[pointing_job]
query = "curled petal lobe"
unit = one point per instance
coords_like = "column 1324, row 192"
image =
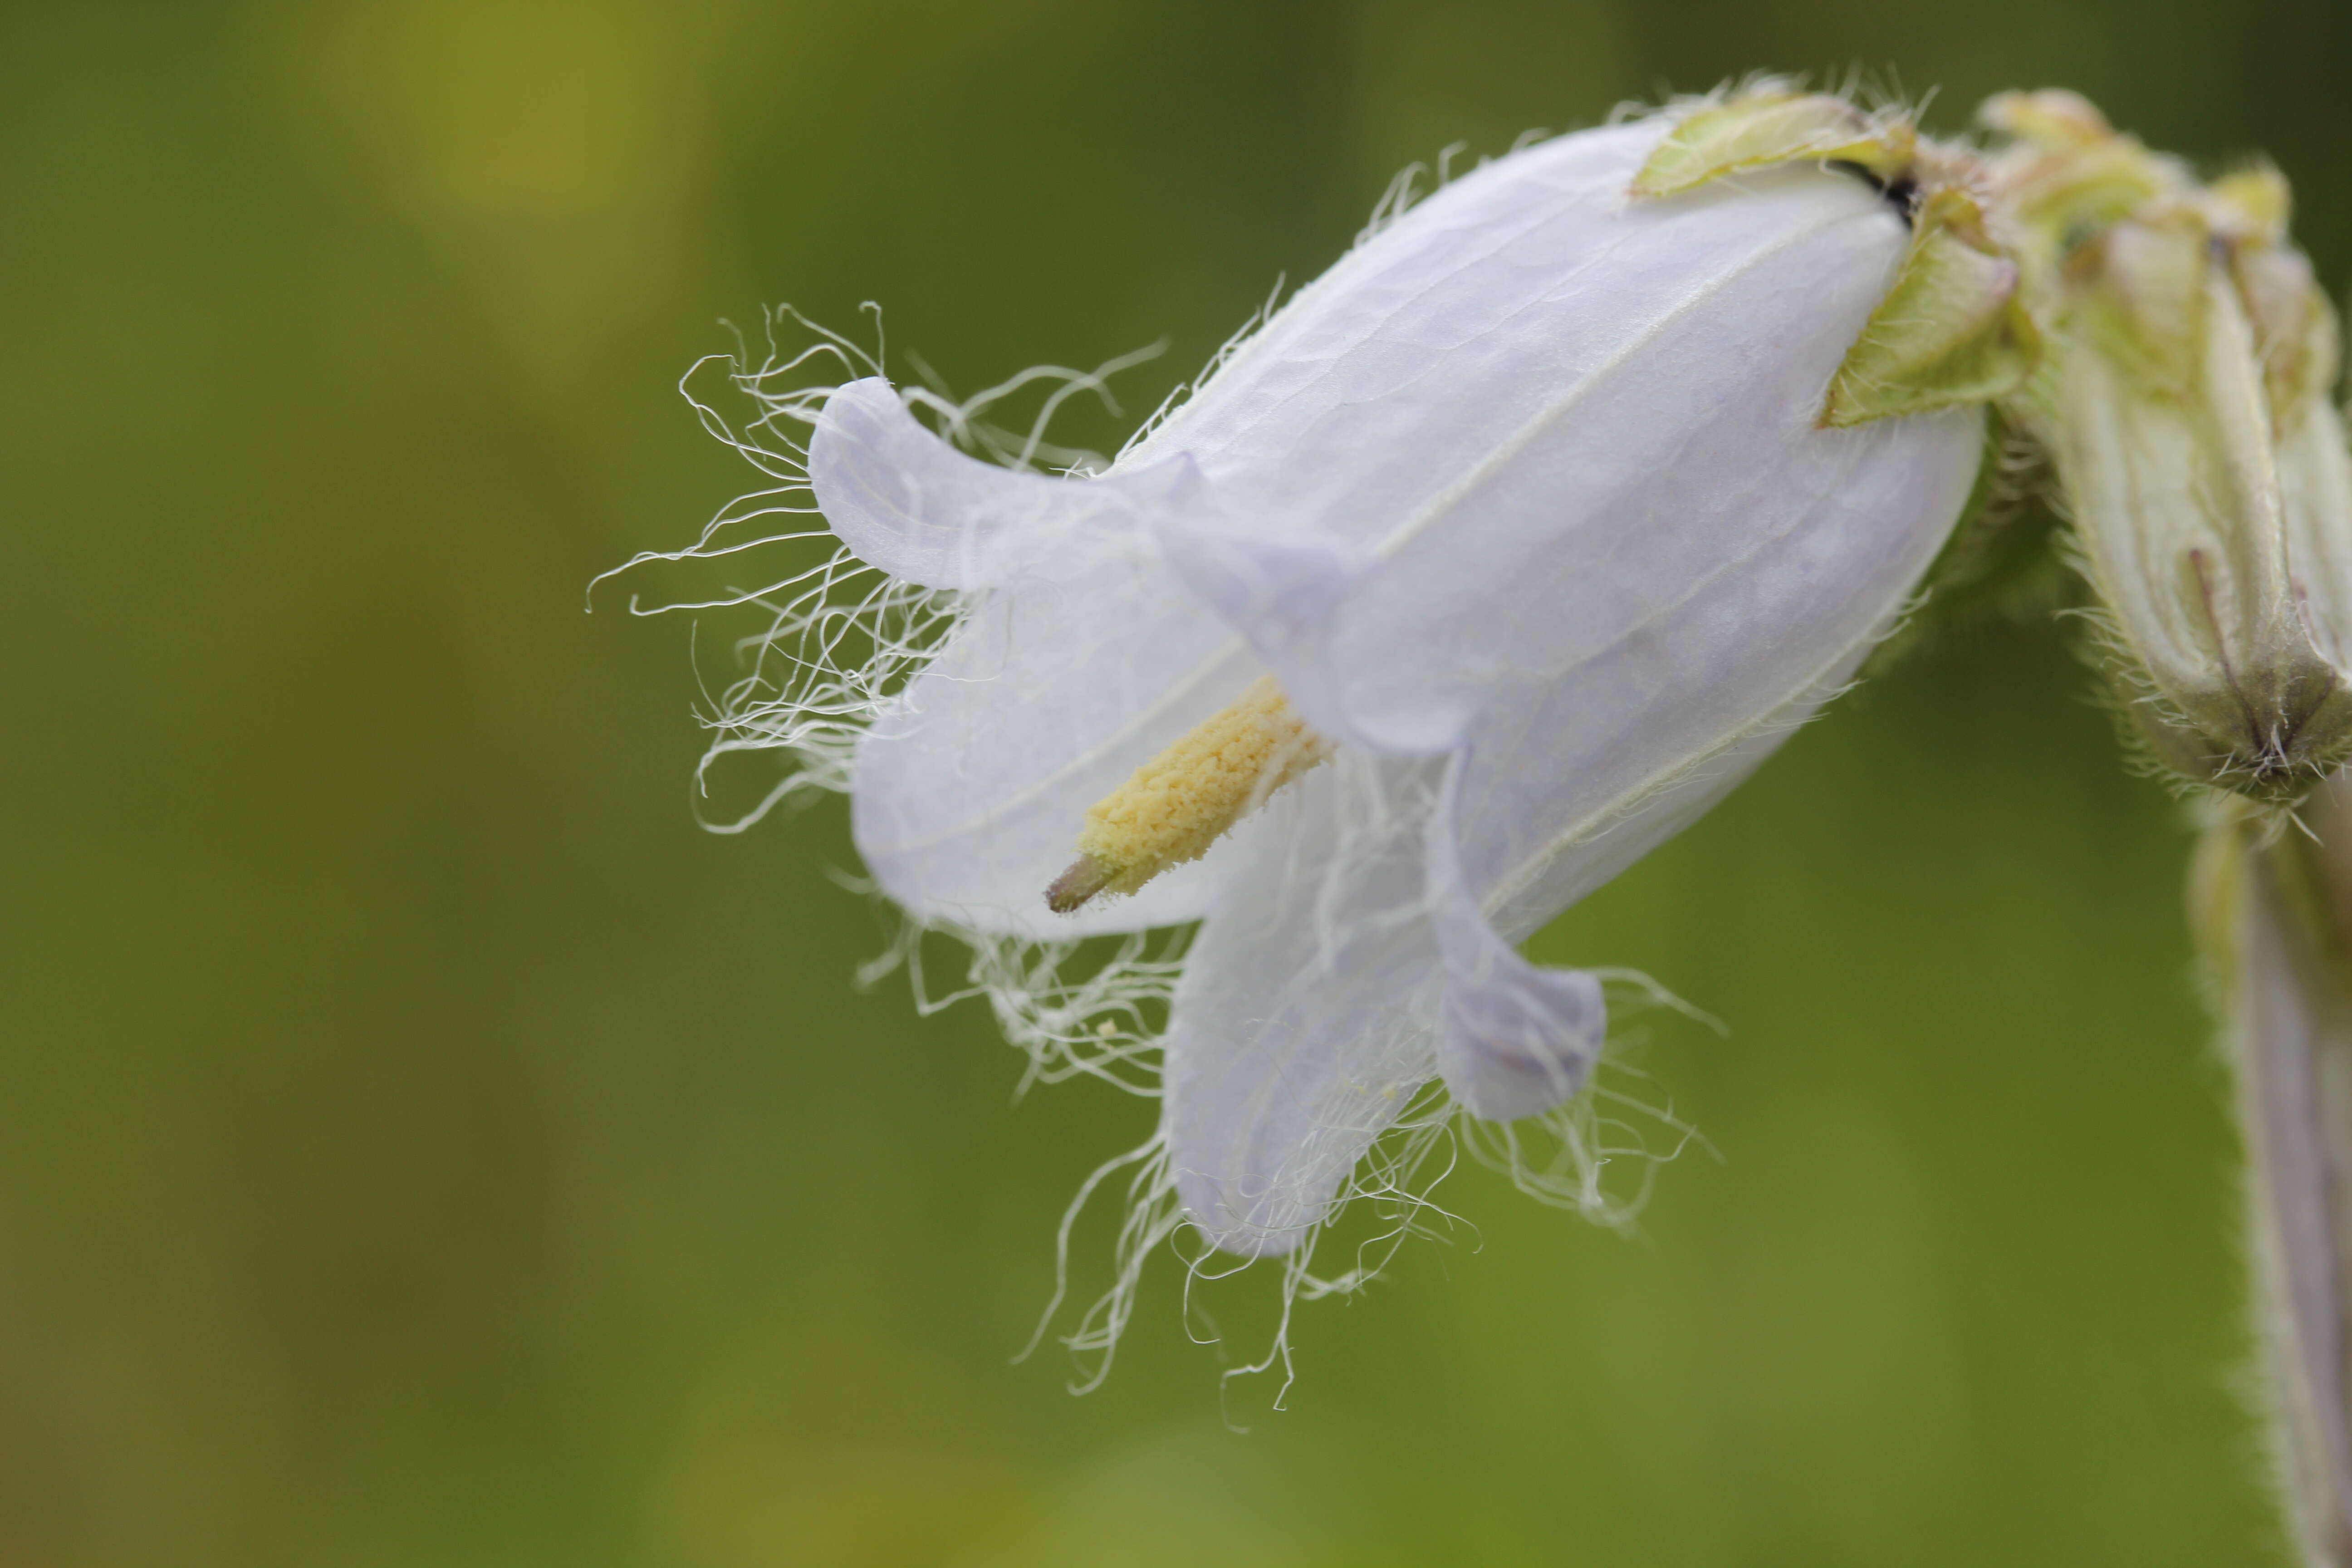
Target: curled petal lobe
column 1057, row 685
column 1514, row 1038
column 904, row 501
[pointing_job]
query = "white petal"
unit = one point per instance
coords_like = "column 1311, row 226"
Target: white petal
column 1302, row 1026
column 1431, row 354
column 1513, row 1038
column 1552, row 416
column 969, row 792
column 1082, row 660
column 905, row 501
column 1578, row 773
column 1281, row 592
column 1685, row 521
column 1618, row 564
column 1334, row 397
column 1344, row 963
column 1531, row 481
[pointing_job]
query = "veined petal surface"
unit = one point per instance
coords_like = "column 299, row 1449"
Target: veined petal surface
column 968, row 790
column 1302, row 1025
column 1633, row 565
column 1526, row 506
column 1536, row 396
column 1082, row 656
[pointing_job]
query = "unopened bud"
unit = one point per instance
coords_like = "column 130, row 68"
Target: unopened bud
column 2272, row 913
column 2184, row 408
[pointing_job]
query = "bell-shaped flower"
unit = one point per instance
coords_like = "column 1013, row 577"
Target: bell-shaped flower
column 1491, row 561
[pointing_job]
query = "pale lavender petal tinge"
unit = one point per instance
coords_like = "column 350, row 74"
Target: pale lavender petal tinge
column 1524, row 506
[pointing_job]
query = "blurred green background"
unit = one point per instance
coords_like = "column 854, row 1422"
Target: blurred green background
column 421, row 1145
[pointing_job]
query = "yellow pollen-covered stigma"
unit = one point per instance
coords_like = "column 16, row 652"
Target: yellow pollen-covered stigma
column 1181, row 800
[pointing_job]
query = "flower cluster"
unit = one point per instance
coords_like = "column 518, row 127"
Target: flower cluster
column 1493, row 559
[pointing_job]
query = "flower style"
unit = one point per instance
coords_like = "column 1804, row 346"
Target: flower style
column 1488, row 563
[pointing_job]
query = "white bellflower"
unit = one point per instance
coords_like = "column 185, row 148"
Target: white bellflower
column 1488, row 563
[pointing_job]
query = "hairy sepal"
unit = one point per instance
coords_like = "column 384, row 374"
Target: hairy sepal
column 1953, row 330
column 1760, row 130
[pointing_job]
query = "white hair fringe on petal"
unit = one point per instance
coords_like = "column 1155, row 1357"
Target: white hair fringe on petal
column 837, row 639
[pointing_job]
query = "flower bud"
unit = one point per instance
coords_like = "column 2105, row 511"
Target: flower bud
column 2273, row 912
column 2183, row 408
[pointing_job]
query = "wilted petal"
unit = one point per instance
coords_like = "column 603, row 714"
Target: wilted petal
column 2178, row 504
column 2183, row 413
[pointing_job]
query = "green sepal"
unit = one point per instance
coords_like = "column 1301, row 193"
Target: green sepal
column 2086, row 177
column 1951, row 331
column 2255, row 200
column 2295, row 325
column 2147, row 299
column 2050, row 118
column 1774, row 128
